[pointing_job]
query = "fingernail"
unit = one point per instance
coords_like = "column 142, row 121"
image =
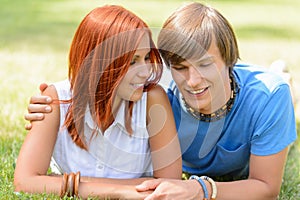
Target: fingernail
column 27, row 126
column 48, row 108
column 48, row 100
column 40, row 115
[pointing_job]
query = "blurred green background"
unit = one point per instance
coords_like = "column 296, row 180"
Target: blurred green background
column 35, row 36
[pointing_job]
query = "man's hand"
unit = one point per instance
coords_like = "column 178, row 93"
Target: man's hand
column 38, row 105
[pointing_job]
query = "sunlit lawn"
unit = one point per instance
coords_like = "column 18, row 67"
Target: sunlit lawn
column 35, row 37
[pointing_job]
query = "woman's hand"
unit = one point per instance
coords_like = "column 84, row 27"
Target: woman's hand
column 38, row 105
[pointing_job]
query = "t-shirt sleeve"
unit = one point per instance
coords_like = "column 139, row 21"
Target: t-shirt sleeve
column 275, row 128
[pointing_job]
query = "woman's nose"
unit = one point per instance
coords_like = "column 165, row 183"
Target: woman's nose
column 144, row 70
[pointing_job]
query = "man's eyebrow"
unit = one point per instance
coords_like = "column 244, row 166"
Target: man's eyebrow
column 206, row 58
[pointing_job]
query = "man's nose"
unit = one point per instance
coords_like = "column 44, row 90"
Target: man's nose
column 194, row 77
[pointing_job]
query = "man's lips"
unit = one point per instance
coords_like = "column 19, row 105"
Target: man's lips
column 198, row 91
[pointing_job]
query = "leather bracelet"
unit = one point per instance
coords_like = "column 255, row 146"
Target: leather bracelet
column 76, row 183
column 64, row 185
column 213, row 186
column 70, row 188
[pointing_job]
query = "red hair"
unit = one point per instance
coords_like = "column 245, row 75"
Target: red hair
column 100, row 55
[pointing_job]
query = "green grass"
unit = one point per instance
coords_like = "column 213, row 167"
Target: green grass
column 35, row 37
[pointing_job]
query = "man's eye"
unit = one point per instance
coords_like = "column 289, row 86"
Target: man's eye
column 206, row 64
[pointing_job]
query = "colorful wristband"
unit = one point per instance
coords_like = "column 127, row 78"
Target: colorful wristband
column 202, row 185
column 213, row 186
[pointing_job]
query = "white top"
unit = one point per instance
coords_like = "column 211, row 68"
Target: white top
column 114, row 154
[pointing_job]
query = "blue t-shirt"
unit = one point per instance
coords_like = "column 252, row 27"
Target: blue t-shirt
column 261, row 122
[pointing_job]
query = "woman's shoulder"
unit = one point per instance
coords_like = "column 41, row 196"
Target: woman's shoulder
column 156, row 93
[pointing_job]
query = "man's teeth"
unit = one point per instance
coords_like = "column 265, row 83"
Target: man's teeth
column 197, row 91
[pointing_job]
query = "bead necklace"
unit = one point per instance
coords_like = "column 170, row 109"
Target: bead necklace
column 221, row 112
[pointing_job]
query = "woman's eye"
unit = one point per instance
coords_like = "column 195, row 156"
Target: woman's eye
column 178, row 68
column 147, row 57
column 132, row 62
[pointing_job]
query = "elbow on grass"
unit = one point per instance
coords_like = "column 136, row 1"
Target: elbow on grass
column 18, row 185
column 273, row 194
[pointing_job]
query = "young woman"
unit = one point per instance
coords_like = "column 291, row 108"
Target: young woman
column 110, row 119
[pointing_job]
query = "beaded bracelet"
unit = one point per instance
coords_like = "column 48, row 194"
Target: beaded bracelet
column 213, row 186
column 64, row 184
column 202, row 185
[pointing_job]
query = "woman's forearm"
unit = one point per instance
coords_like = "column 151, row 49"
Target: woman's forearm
column 134, row 181
column 88, row 187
